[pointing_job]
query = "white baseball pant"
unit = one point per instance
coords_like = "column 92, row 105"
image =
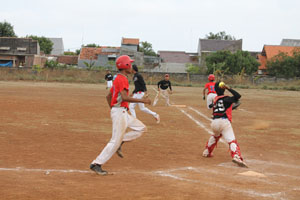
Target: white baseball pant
column 121, row 120
column 165, row 95
column 210, row 99
column 222, row 127
column 109, row 84
column 142, row 107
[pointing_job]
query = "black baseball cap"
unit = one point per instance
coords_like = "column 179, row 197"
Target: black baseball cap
column 135, row 68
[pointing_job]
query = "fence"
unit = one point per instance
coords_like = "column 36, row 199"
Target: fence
column 97, row 76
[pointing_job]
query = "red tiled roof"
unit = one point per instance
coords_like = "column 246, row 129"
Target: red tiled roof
column 269, row 51
column 263, row 61
column 272, row 51
column 91, row 53
column 133, row 41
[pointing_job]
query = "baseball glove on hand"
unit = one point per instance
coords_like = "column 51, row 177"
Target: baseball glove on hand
column 236, row 105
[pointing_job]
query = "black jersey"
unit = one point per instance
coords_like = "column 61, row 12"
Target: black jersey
column 223, row 105
column 139, row 83
column 109, row 77
column 163, row 84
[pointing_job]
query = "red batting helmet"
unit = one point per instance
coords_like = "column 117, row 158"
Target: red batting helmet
column 211, row 77
column 166, row 75
column 124, row 62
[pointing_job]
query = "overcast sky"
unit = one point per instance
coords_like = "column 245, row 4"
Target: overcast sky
column 167, row 24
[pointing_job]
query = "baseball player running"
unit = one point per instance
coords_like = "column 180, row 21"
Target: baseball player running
column 210, row 86
column 221, row 124
column 118, row 100
column 109, row 79
column 138, row 93
column 162, row 87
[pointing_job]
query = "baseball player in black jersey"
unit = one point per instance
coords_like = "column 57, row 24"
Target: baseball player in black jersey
column 162, row 87
column 109, row 79
column 221, row 124
column 139, row 91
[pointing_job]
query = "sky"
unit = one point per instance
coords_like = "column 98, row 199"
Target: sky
column 174, row 25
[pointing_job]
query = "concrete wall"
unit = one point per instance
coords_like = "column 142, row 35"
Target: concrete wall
column 170, row 68
column 130, row 47
column 19, row 46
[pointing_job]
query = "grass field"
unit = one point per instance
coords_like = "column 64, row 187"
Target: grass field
column 50, row 132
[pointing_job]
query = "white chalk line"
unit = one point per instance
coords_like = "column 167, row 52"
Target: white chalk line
column 46, row 170
column 200, row 113
column 166, row 173
column 248, row 192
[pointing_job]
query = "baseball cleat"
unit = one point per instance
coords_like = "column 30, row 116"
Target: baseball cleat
column 237, row 160
column 207, row 154
column 98, row 169
column 119, row 151
column 157, row 118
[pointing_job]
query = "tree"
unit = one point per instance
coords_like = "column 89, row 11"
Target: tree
column 283, row 65
column 92, row 45
column 70, row 53
column 219, row 36
column 225, row 62
column 45, row 44
column 192, row 69
column 146, row 48
column 6, row 30
column 77, row 51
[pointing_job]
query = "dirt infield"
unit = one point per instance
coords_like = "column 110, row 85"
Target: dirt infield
column 50, row 132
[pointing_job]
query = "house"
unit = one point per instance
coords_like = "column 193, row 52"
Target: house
column 269, row 51
column 106, row 56
column 16, row 52
column 98, row 56
column 68, row 60
column 130, row 47
column 58, row 46
column 130, row 44
column 290, row 42
column 175, row 61
column 208, row 46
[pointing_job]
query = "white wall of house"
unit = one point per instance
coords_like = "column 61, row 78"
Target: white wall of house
column 171, row 68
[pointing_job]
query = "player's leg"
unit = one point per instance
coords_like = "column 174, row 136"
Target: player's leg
column 132, row 106
column 147, row 110
column 138, row 128
column 120, row 122
column 213, row 140
column 233, row 145
column 165, row 95
column 210, row 99
column 156, row 99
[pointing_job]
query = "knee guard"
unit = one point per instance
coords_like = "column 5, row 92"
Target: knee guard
column 235, row 149
column 211, row 147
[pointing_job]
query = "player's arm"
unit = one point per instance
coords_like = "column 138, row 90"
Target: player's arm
column 129, row 99
column 108, row 99
column 236, row 96
column 158, row 85
column 204, row 92
column 141, row 79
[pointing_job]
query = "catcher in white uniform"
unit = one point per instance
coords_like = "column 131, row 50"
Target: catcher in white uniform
column 118, row 100
column 139, row 91
column 221, row 124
